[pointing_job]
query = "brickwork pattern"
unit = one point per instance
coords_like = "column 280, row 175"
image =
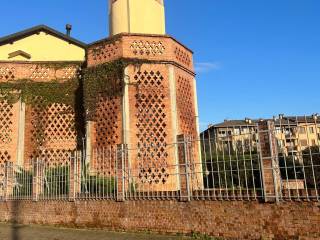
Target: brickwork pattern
column 143, row 47
column 230, row 220
column 186, row 114
column 38, row 72
column 7, row 73
column 8, row 137
column 185, row 103
column 107, row 134
column 105, row 52
column 9, row 120
column 150, row 130
column 49, row 132
column 52, row 133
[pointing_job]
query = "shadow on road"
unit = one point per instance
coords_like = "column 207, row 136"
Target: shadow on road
column 15, row 228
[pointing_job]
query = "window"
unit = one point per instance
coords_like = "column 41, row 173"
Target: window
column 302, row 130
column 311, row 130
column 222, row 133
column 237, row 131
column 304, row 143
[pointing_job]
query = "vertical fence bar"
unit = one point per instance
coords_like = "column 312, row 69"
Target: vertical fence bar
column 36, row 180
column 185, row 194
column 72, row 176
column 121, row 156
column 8, row 180
column 269, row 161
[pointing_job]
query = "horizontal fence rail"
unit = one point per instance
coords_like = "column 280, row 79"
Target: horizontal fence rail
column 261, row 161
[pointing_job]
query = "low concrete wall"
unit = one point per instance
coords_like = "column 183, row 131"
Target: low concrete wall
column 234, row 220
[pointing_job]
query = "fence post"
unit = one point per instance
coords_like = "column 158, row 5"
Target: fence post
column 270, row 169
column 74, row 175
column 184, row 175
column 8, row 186
column 37, row 179
column 120, row 165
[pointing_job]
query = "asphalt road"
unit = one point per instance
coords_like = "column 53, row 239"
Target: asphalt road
column 21, row 232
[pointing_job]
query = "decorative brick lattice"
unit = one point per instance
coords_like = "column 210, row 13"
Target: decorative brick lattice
column 70, row 72
column 185, row 105
column 7, row 73
column 107, row 121
column 4, row 158
column 152, row 127
column 6, row 123
column 40, row 73
column 108, row 133
column 182, row 56
column 106, row 51
column 55, row 157
column 60, row 125
column 147, row 48
column 53, row 132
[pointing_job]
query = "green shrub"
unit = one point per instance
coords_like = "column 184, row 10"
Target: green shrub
column 56, row 181
column 23, row 183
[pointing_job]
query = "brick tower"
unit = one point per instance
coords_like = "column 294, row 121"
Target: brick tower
column 158, row 100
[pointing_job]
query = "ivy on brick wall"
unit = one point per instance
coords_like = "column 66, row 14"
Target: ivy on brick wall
column 50, row 92
column 100, row 81
column 105, row 80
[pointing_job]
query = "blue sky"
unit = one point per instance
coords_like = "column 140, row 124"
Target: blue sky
column 255, row 58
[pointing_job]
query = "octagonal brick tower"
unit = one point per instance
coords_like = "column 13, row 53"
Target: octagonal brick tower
column 158, row 100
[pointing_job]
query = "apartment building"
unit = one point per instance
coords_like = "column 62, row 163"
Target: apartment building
column 294, row 134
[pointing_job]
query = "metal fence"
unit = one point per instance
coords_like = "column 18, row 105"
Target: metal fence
column 259, row 161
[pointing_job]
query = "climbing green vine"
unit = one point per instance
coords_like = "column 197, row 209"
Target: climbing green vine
column 50, row 92
column 102, row 80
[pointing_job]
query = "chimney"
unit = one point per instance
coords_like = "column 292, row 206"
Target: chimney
column 68, row 28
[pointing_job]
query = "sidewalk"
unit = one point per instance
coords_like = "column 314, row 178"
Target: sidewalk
column 21, row 232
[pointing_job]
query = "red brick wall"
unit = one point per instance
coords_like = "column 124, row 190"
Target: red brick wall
column 234, row 220
column 151, row 135
column 37, row 71
column 57, row 119
column 186, row 109
column 139, row 46
column 9, row 129
column 58, row 132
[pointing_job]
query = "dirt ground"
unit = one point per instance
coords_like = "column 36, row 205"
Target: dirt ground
column 21, row 232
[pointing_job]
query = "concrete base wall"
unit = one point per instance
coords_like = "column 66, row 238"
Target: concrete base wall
column 234, row 220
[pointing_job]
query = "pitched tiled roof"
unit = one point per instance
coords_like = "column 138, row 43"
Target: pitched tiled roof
column 41, row 28
column 290, row 121
column 234, row 123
